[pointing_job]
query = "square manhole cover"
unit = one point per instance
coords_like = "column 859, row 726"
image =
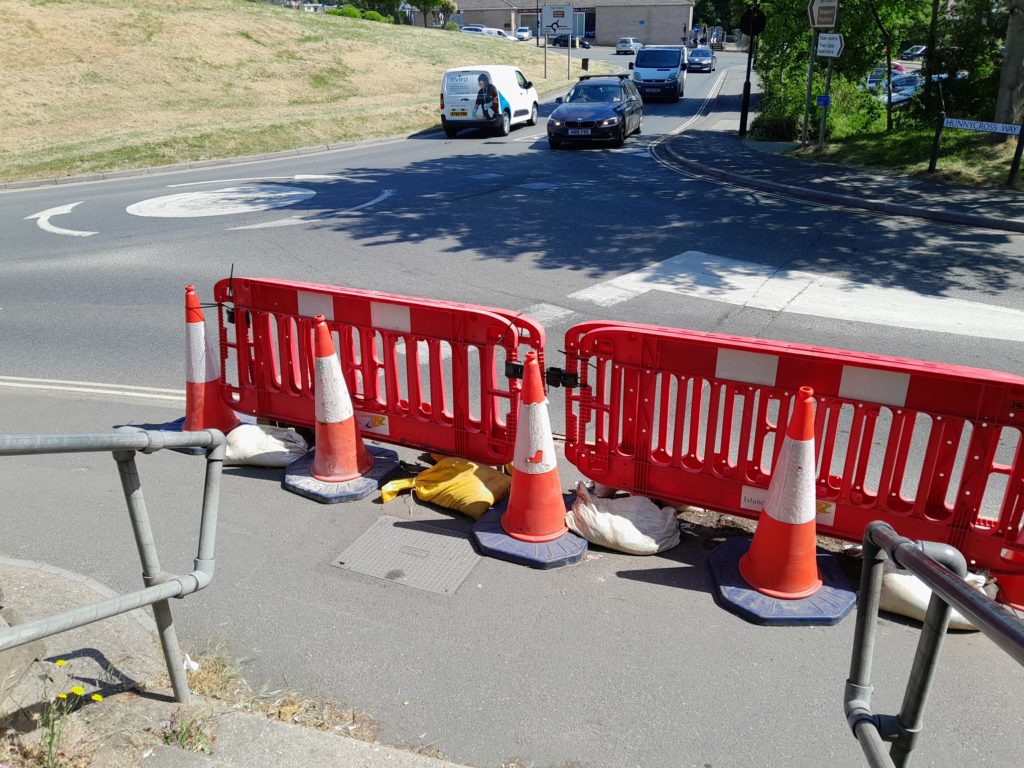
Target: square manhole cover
column 435, row 556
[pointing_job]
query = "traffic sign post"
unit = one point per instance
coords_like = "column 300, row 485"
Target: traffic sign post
column 823, row 15
column 752, row 24
column 557, row 20
column 830, row 46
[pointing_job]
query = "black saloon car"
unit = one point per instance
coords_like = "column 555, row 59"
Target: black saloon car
column 562, row 41
column 598, row 108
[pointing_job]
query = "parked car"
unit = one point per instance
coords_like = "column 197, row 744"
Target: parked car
column 604, row 108
column 702, row 60
column 562, row 41
column 524, row 33
column 628, row 45
column 914, row 52
column 475, row 29
column 878, row 75
column 491, row 96
column 500, row 34
column 904, row 88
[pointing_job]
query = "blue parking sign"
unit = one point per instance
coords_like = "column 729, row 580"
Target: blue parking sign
column 824, row 101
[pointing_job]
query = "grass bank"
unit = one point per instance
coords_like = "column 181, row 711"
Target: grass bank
column 965, row 157
column 101, row 85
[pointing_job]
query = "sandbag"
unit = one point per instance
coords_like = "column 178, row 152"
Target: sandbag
column 457, row 484
column 905, row 594
column 260, row 445
column 634, row 524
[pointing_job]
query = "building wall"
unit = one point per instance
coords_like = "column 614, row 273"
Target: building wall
column 652, row 24
column 499, row 19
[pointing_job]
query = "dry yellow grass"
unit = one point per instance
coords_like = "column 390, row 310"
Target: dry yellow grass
column 96, row 85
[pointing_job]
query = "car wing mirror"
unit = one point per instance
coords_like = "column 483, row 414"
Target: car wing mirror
column 529, row 84
column 631, row 65
column 558, row 100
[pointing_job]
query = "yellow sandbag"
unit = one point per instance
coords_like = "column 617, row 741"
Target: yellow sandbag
column 453, row 483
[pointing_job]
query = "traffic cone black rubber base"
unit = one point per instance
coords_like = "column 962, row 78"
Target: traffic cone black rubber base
column 826, row 607
column 492, row 540
column 299, row 479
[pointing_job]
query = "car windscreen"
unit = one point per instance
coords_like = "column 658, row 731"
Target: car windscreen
column 648, row 57
column 594, row 93
column 701, row 53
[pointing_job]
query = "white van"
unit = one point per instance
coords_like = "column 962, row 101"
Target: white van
column 486, row 96
column 660, row 71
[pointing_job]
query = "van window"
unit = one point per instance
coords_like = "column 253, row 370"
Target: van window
column 462, row 83
column 521, row 79
column 657, row 57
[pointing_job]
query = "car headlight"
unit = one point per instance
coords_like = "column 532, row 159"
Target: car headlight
column 610, row 121
column 556, row 123
column 672, row 78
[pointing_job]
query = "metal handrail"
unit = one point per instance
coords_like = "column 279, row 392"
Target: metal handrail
column 159, row 586
column 941, row 568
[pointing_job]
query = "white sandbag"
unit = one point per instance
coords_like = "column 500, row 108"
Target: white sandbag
column 906, row 595
column 260, row 445
column 634, row 524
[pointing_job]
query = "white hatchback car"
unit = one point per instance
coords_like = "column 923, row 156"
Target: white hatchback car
column 524, row 33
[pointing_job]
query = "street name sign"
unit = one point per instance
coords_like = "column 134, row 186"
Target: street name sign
column 556, row 20
column 830, row 46
column 823, row 13
column 976, row 125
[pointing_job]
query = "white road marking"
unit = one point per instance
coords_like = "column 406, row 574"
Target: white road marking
column 747, row 284
column 538, row 185
column 92, row 387
column 291, row 221
column 531, row 137
column 547, row 313
column 43, row 220
column 221, row 202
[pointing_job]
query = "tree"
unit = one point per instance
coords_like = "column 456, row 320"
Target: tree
column 1010, row 94
column 446, row 7
column 424, row 7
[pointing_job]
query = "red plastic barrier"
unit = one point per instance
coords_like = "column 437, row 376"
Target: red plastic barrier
column 421, row 373
column 935, row 450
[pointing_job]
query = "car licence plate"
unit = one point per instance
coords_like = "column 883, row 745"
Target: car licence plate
column 579, row 131
column 458, row 113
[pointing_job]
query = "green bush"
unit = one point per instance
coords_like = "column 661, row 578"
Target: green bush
column 374, row 16
column 451, row 26
column 773, row 128
column 348, row 11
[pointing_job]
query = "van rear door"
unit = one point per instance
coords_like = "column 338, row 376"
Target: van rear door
column 459, row 90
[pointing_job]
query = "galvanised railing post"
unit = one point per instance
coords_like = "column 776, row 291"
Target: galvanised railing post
column 152, row 573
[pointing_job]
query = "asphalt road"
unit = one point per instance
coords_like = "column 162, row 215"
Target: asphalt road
column 619, row 662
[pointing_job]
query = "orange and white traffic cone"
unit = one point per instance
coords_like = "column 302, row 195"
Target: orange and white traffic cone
column 529, row 527
column 779, row 578
column 341, row 467
column 204, row 407
column 782, row 560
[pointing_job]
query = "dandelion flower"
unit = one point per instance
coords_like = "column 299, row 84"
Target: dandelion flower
column 96, row 697
column 61, row 662
column 62, row 695
column 78, row 690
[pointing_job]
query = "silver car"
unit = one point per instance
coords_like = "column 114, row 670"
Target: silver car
column 702, row 60
column 628, row 45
